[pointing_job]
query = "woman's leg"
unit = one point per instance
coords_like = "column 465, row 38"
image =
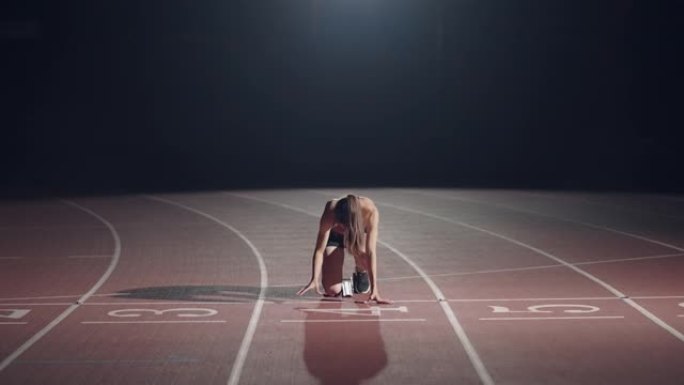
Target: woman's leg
column 333, row 260
column 361, row 279
column 362, row 262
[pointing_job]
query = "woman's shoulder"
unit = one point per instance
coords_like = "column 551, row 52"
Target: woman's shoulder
column 367, row 203
column 330, row 205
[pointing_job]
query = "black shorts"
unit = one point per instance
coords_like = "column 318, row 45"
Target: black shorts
column 335, row 239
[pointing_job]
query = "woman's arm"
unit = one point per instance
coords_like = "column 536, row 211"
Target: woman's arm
column 317, row 259
column 371, row 249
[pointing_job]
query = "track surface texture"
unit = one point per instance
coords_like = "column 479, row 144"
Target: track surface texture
column 488, row 287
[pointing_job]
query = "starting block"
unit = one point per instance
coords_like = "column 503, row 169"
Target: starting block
column 347, row 289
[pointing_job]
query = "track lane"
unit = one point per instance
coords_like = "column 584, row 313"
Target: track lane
column 168, row 256
column 280, row 213
column 35, row 338
column 496, row 220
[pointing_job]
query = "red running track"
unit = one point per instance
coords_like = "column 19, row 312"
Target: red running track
column 493, row 287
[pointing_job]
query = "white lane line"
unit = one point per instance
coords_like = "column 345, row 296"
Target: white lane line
column 353, row 320
column 593, row 200
column 127, row 363
column 152, row 322
column 514, row 269
column 302, row 302
column 596, row 317
column 60, row 297
column 648, row 257
column 534, row 299
column 523, row 299
column 37, row 304
column 477, row 272
column 115, row 256
column 115, row 260
column 541, row 267
column 433, row 300
column 169, row 303
column 474, row 357
column 657, row 296
column 239, row 362
column 677, row 334
column 88, row 256
column 537, row 213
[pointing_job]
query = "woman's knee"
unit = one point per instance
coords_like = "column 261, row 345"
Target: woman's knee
column 333, row 290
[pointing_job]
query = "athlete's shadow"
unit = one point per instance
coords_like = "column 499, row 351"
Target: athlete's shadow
column 217, row 293
column 343, row 345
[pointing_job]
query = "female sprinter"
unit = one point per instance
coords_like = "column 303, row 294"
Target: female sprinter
column 352, row 223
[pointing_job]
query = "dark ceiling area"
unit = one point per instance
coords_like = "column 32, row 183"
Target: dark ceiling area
column 129, row 96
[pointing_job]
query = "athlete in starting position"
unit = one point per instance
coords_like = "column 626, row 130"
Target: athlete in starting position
column 352, row 223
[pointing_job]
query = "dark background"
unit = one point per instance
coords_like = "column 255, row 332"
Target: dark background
column 120, row 96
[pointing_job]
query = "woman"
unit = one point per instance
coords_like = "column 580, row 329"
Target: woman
column 352, row 223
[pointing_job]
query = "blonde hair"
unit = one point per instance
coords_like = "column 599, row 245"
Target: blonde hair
column 348, row 212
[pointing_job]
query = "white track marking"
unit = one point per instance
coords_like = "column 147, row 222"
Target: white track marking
column 354, row 320
column 592, row 200
column 13, row 323
column 539, row 267
column 56, row 259
column 152, row 322
column 477, row 272
column 514, row 269
column 648, row 257
column 537, row 213
column 37, row 304
column 677, row 334
column 433, row 300
column 657, row 296
column 61, row 297
column 474, row 357
column 168, row 303
column 236, row 371
column 112, row 265
column 655, row 319
column 303, row 302
column 88, row 256
column 596, row 317
column 533, row 299
column 115, row 257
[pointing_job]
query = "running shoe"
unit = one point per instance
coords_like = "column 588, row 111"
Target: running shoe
column 361, row 282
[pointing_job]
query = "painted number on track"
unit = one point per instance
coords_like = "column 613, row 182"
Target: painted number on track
column 13, row 314
column 550, row 308
column 178, row 312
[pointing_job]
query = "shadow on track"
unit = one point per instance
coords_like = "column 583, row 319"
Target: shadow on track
column 215, row 293
column 338, row 352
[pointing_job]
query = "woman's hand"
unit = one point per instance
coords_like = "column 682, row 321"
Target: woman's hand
column 376, row 297
column 312, row 285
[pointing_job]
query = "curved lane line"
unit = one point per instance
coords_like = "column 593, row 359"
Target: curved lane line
column 591, row 277
column 236, row 371
column 112, row 265
column 587, row 224
column 474, row 357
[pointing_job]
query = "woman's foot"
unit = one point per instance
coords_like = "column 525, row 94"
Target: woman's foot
column 361, row 282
